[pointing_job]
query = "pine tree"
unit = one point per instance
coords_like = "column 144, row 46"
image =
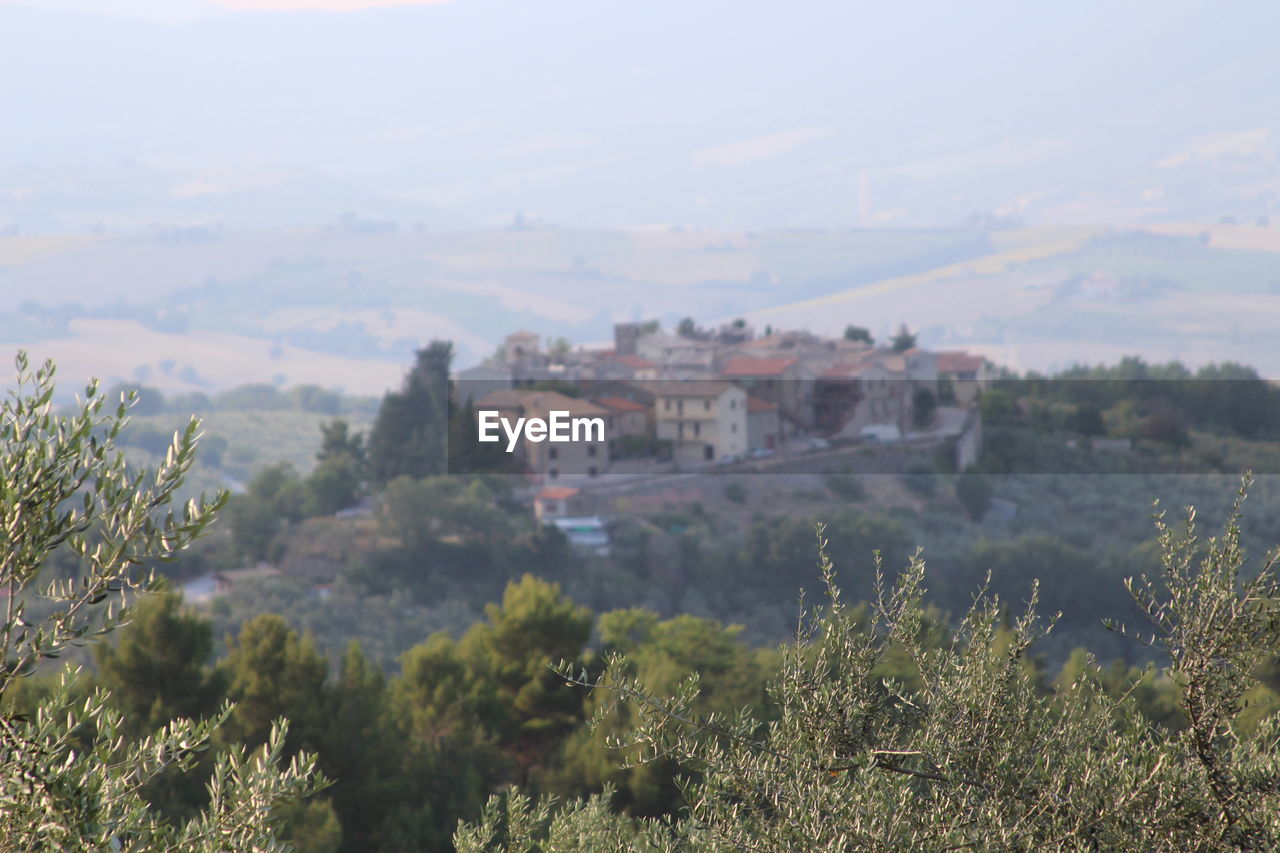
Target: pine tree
column 273, row 672
column 904, row 339
column 362, row 750
column 409, row 436
column 159, row 670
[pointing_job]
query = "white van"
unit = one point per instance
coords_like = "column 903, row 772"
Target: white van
column 881, row 432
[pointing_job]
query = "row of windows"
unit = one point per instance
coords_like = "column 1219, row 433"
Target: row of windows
column 554, row 452
column 706, row 405
column 554, row 473
column 697, row 428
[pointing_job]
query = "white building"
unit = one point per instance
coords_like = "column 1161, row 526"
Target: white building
column 704, row 420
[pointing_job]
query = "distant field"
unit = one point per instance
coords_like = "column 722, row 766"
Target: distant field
column 124, row 350
column 1204, row 268
column 956, row 293
column 345, row 309
column 1259, row 238
column 18, row 249
column 247, row 441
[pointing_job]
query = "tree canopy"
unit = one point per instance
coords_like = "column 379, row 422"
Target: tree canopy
column 72, row 775
column 969, row 749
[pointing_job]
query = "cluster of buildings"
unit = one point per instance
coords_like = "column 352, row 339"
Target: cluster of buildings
column 709, row 396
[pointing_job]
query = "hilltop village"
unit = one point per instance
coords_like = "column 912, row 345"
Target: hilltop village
column 720, row 396
column 700, row 401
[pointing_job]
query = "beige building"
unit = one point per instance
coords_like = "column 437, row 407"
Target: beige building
column 966, row 373
column 550, row 460
column 764, row 429
column 785, row 382
column 676, row 354
column 704, row 420
column 520, row 345
column 625, row 418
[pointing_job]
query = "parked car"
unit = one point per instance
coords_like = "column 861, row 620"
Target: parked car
column 760, row 453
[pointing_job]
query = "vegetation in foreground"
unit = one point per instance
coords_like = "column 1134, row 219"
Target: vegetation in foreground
column 964, row 749
column 70, row 778
column 880, row 727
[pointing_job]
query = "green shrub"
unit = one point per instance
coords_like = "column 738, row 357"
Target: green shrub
column 921, row 479
column 846, row 486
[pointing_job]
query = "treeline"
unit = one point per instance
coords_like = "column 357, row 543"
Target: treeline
column 428, row 491
column 414, row 753
column 1134, row 399
column 244, row 398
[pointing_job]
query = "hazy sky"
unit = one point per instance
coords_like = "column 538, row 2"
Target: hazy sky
column 178, row 9
column 716, row 113
column 327, row 5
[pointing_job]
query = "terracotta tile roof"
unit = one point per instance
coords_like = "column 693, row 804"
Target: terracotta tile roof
column 620, row 404
column 634, row 361
column 557, row 493
column 745, row 366
column 755, row 404
column 894, row 362
column 955, row 361
column 538, row 403
column 689, row 388
column 847, row 369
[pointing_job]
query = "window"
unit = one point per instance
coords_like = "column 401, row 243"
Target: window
column 709, row 452
column 666, row 405
column 591, row 472
column 733, row 428
column 733, row 404
column 697, row 429
column 553, row 473
column 553, row 453
column 591, row 450
column 679, row 407
column 706, row 405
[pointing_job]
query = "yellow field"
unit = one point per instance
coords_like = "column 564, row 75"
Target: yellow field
column 16, row 250
column 112, row 349
column 1022, row 245
column 1257, row 238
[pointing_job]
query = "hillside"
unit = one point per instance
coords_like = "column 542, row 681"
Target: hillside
column 344, row 306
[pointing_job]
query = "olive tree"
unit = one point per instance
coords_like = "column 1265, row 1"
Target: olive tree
column 69, row 777
column 970, row 750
